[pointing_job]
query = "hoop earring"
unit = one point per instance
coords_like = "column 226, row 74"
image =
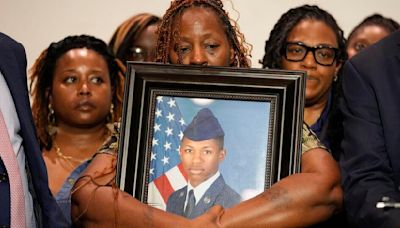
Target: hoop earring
column 335, row 78
column 51, row 119
column 110, row 117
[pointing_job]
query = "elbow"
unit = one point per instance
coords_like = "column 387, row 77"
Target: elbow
column 336, row 198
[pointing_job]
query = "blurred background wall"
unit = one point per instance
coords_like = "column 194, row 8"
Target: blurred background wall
column 38, row 23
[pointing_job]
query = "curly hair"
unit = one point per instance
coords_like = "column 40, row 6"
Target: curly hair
column 278, row 36
column 42, row 74
column 386, row 23
column 127, row 33
column 169, row 28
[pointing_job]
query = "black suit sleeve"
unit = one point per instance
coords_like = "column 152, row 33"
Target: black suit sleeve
column 366, row 168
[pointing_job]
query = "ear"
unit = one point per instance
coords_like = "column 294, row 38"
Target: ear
column 337, row 68
column 231, row 56
column 48, row 94
column 222, row 154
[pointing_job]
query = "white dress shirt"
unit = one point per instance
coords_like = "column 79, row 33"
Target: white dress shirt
column 200, row 189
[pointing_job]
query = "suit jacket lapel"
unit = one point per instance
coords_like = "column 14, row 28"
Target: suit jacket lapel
column 17, row 84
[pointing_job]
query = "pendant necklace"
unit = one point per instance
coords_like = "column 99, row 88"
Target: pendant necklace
column 69, row 159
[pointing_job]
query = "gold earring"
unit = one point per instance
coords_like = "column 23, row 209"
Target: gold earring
column 51, row 118
column 110, row 117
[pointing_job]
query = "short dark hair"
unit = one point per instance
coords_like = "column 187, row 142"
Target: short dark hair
column 277, row 39
column 386, row 23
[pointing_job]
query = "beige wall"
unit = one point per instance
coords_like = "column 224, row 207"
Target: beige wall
column 37, row 23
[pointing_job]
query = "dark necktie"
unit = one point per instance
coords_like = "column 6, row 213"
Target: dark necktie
column 190, row 204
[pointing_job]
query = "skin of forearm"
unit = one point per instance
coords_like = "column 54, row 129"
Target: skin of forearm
column 298, row 200
column 108, row 207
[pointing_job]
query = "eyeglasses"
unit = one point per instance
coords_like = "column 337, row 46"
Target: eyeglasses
column 323, row 54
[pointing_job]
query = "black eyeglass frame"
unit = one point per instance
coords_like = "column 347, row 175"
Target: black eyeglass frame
column 312, row 49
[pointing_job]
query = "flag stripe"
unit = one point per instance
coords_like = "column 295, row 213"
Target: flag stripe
column 177, row 180
column 180, row 166
column 164, row 187
column 155, row 197
column 166, row 171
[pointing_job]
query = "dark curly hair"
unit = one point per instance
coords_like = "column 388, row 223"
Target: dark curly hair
column 168, row 30
column 278, row 36
column 386, row 23
column 127, row 33
column 42, row 74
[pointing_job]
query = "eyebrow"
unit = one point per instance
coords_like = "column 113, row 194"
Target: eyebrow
column 319, row 44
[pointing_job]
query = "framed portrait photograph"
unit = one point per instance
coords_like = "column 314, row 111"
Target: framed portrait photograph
column 214, row 135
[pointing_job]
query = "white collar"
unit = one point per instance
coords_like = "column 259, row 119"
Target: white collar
column 201, row 188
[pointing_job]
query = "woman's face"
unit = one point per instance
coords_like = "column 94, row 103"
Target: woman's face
column 202, row 39
column 144, row 47
column 313, row 33
column 81, row 91
column 363, row 37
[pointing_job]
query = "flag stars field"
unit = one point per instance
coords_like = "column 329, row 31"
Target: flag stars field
column 158, row 113
column 168, row 131
column 165, row 160
column 155, row 142
column 157, row 127
column 170, row 117
column 167, row 146
column 159, row 99
column 171, row 103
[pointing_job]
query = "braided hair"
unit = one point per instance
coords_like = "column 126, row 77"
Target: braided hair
column 168, row 30
column 274, row 49
column 127, row 33
column 42, row 74
column 275, row 45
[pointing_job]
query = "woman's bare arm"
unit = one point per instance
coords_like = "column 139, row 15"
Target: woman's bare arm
column 100, row 205
column 299, row 200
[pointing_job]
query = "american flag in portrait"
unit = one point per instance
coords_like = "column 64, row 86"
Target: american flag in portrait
column 166, row 173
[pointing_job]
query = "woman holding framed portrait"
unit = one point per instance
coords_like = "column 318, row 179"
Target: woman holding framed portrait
column 205, row 36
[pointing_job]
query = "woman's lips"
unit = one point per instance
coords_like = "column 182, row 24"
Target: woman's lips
column 85, row 105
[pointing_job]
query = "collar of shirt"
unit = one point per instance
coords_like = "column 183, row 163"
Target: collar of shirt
column 201, row 188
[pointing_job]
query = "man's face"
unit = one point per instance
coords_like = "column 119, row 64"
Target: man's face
column 200, row 159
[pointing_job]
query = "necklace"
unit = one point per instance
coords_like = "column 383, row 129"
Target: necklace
column 69, row 159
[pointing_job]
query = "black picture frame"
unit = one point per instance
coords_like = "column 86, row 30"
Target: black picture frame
column 281, row 91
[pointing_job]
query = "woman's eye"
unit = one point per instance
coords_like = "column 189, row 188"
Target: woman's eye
column 212, row 46
column 324, row 54
column 97, row 80
column 184, row 49
column 360, row 46
column 70, row 80
column 295, row 50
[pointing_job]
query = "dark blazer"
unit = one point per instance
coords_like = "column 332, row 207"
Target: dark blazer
column 370, row 163
column 218, row 193
column 13, row 68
